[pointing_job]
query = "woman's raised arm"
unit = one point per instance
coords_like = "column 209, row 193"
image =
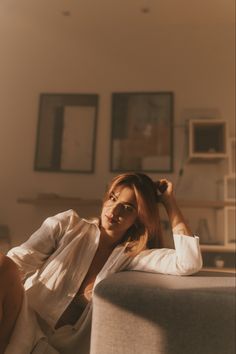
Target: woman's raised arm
column 176, row 218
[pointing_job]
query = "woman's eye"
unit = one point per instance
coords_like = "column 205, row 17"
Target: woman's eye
column 128, row 208
column 112, row 198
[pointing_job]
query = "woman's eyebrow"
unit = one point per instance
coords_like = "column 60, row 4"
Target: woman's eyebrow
column 126, row 203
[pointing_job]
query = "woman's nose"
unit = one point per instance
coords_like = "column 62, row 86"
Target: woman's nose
column 115, row 210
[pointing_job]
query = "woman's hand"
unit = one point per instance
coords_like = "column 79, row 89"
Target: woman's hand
column 165, row 191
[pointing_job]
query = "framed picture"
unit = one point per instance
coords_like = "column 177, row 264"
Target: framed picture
column 142, row 132
column 66, row 134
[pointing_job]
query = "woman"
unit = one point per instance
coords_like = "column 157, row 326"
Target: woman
column 62, row 262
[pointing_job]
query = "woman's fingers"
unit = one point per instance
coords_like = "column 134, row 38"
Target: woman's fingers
column 163, row 185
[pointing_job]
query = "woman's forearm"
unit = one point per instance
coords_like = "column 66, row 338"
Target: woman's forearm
column 176, row 218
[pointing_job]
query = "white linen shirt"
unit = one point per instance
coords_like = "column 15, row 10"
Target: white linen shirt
column 56, row 258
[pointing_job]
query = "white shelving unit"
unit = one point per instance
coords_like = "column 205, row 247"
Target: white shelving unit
column 226, row 188
column 226, row 217
column 214, row 207
column 232, row 156
column 217, row 242
column 199, row 208
column 226, row 223
column 207, row 140
column 218, row 215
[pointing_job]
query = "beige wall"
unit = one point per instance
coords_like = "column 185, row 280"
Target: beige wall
column 195, row 62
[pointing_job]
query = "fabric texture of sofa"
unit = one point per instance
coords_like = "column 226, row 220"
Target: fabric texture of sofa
column 144, row 313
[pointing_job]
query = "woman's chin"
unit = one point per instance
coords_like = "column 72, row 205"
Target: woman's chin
column 110, row 225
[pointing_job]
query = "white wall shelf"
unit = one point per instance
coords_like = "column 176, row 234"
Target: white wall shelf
column 218, row 248
column 221, row 270
column 217, row 206
column 205, row 203
column 59, row 201
column 216, row 221
column 207, row 140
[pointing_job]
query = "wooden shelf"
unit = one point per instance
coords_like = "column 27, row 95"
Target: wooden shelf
column 205, row 203
column 58, row 200
column 54, row 200
column 47, row 200
column 218, row 248
column 221, row 270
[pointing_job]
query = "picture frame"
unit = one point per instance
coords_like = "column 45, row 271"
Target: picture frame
column 142, row 132
column 66, row 133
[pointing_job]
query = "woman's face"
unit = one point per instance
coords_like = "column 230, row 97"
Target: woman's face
column 119, row 212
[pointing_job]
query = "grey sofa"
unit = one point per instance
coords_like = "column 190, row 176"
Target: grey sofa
column 143, row 313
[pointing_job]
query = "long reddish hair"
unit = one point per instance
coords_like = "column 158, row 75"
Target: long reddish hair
column 146, row 232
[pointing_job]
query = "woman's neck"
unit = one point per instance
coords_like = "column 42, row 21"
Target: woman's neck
column 109, row 241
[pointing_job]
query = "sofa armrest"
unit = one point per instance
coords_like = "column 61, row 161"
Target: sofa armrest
column 137, row 312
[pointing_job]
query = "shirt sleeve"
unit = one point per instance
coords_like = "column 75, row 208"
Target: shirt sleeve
column 185, row 259
column 30, row 255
